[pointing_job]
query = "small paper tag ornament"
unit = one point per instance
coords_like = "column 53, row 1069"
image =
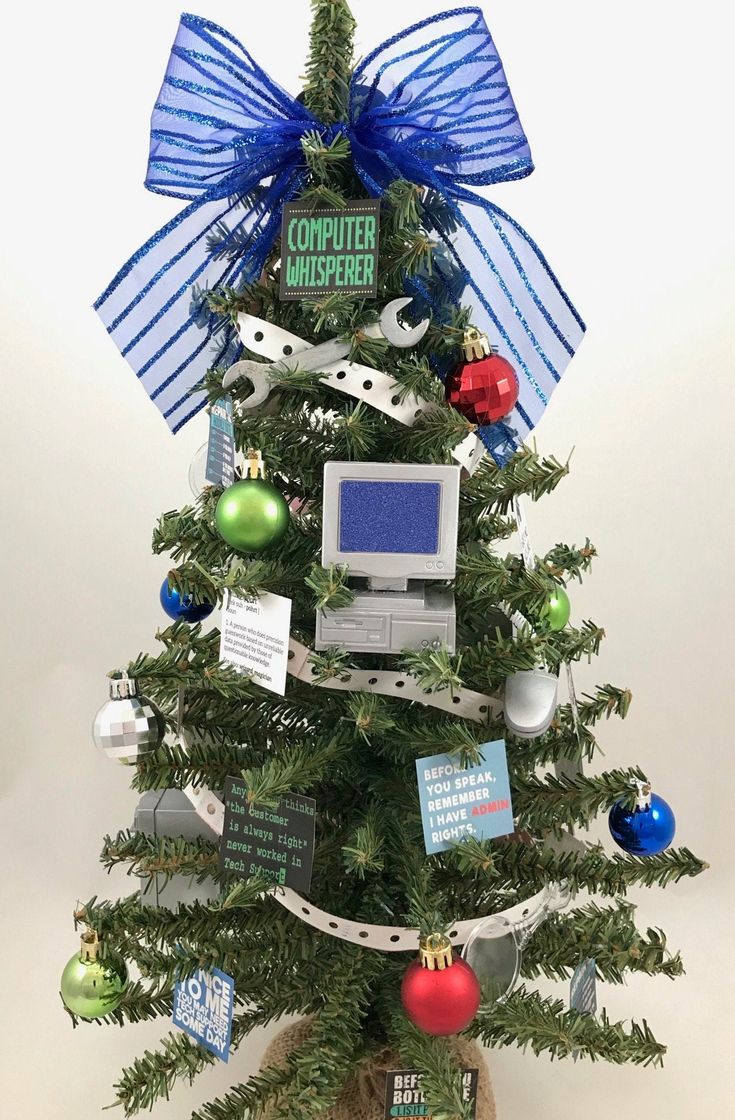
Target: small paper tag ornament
column 254, row 637
column 573, row 702
column 220, row 470
column 529, row 558
column 404, row 1096
column 276, row 843
column 583, row 988
column 203, row 1007
column 456, row 803
column 326, row 251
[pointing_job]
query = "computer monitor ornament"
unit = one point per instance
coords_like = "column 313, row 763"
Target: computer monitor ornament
column 393, row 526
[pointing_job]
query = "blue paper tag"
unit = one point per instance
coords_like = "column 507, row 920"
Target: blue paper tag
column 583, row 990
column 221, row 445
column 203, row 1006
column 456, row 803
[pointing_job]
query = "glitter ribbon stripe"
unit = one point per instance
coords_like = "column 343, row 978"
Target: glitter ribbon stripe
column 431, row 105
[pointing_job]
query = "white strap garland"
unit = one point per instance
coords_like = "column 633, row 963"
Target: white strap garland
column 386, row 939
column 362, row 382
column 461, row 702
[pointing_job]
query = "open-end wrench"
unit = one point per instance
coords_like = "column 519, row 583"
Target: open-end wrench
column 325, row 354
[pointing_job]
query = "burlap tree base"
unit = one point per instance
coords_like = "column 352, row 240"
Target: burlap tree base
column 363, row 1097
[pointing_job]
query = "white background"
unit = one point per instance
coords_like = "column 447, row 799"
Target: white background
column 625, row 106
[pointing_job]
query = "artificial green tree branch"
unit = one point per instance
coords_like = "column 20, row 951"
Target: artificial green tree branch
column 330, row 60
column 609, row 935
column 593, row 870
column 528, row 1020
column 546, row 802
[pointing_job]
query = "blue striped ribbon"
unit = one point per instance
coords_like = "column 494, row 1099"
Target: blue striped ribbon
column 431, row 105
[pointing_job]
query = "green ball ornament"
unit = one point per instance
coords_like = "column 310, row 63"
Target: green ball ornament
column 251, row 514
column 93, row 982
column 557, row 610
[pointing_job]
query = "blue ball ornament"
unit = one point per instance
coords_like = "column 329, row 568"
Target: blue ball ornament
column 646, row 829
column 182, row 610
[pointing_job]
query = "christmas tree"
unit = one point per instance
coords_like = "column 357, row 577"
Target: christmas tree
column 350, row 725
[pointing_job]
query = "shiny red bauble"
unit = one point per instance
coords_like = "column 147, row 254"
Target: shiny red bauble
column 483, row 389
column 440, row 1000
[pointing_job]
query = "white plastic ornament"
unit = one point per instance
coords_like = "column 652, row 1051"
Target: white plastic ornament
column 198, row 471
column 494, row 948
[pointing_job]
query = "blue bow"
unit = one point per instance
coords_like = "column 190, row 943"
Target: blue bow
column 431, row 105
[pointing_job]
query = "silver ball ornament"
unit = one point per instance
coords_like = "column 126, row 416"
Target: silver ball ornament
column 127, row 725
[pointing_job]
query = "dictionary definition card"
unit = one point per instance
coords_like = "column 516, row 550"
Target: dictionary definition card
column 276, row 843
column 456, row 803
column 254, row 637
column 324, row 251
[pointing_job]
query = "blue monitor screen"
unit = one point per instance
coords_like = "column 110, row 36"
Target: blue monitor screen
column 377, row 516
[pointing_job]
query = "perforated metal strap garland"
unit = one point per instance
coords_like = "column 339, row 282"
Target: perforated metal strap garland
column 387, row 939
column 461, row 702
column 362, row 382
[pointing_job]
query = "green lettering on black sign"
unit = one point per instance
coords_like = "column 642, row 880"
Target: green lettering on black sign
column 325, row 251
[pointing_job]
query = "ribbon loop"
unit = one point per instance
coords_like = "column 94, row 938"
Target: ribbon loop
column 431, row 105
column 220, row 124
column 434, row 99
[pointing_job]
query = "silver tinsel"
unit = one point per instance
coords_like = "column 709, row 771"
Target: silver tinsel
column 127, row 725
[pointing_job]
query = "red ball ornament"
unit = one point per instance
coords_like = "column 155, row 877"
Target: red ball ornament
column 483, row 387
column 440, row 992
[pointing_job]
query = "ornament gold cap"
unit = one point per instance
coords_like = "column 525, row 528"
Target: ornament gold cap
column 122, row 688
column 91, row 947
column 643, row 792
column 475, row 344
column 256, row 467
column 435, row 951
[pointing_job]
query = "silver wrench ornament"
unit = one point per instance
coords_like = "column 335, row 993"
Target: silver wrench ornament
column 325, row 354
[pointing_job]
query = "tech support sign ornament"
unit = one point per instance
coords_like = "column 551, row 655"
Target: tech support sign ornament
column 325, row 251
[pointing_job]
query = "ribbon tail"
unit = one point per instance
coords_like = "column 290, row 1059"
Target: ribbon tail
column 155, row 308
column 518, row 301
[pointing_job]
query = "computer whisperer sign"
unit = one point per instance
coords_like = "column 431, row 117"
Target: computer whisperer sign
column 326, row 251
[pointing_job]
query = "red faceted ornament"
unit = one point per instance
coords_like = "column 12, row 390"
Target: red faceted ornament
column 483, row 387
column 440, row 992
